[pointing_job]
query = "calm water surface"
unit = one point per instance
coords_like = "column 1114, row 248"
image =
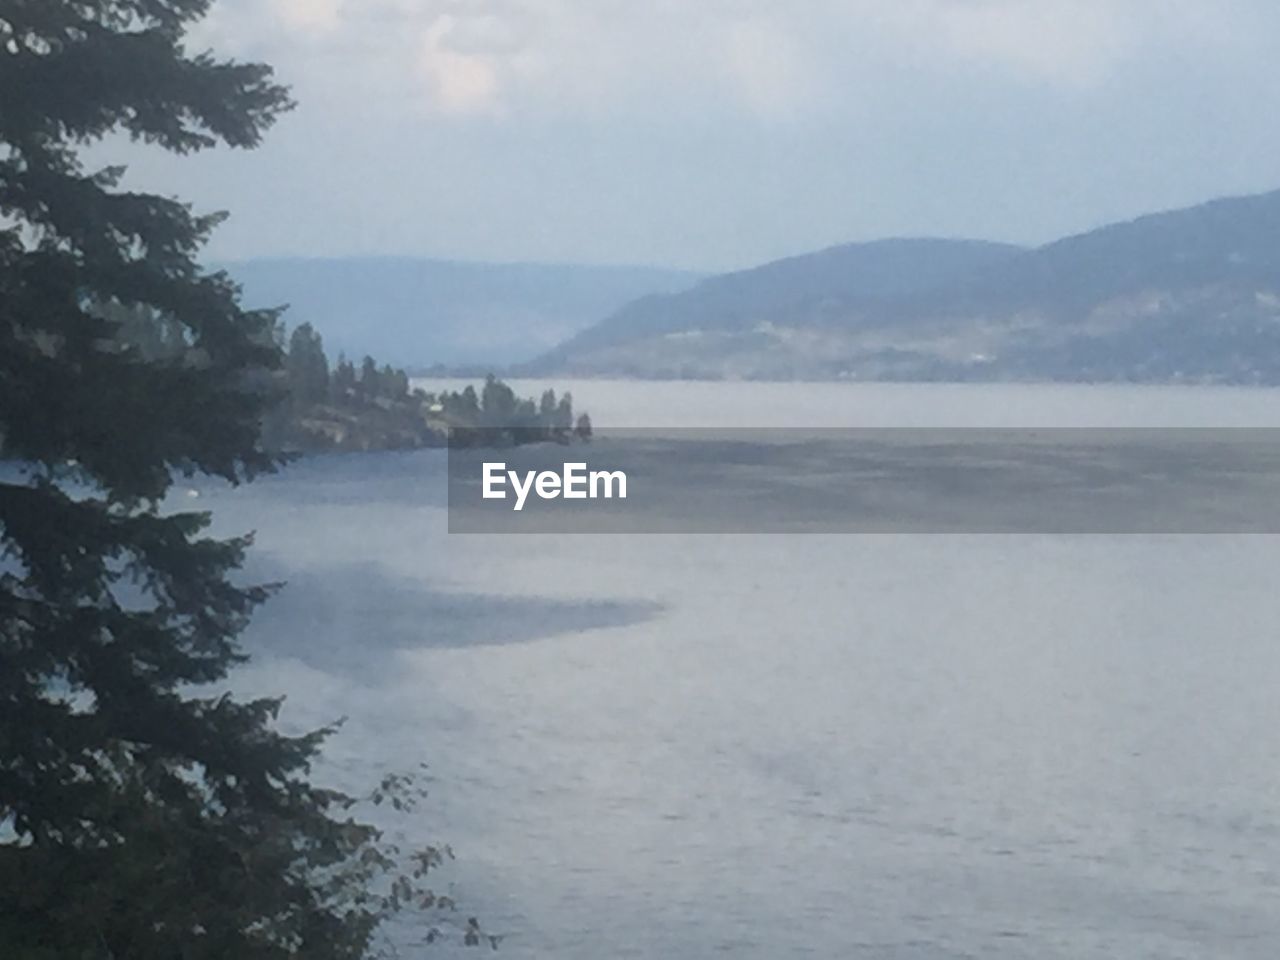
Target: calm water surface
column 795, row 746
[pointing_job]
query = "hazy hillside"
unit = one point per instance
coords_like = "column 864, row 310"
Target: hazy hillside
column 1232, row 240
column 797, row 290
column 1190, row 294
column 419, row 312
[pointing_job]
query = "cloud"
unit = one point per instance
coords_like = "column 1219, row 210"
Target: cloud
column 458, row 81
column 321, row 16
column 661, row 58
column 725, row 132
column 1069, row 43
column 767, row 67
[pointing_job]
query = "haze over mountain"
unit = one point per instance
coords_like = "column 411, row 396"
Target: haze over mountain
column 794, row 291
column 1191, row 294
column 420, row 312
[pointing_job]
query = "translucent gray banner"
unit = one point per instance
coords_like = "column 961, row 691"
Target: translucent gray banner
column 1082, row 481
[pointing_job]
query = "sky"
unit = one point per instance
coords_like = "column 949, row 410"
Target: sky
column 718, row 134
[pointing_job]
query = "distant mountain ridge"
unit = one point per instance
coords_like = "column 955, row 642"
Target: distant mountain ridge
column 867, row 273
column 1185, row 295
column 421, row 312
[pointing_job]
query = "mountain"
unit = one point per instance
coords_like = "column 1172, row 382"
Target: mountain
column 797, row 291
column 1186, row 295
column 419, row 312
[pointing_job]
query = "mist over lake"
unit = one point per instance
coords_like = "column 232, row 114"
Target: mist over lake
column 904, row 746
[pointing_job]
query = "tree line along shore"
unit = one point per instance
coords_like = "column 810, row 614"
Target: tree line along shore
column 323, row 407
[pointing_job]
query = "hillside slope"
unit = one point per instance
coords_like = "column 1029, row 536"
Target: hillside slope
column 798, row 290
column 1186, row 295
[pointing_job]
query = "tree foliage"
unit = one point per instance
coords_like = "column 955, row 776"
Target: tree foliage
column 143, row 814
column 307, row 367
column 497, row 417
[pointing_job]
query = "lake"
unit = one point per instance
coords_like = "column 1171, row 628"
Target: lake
column 897, row 746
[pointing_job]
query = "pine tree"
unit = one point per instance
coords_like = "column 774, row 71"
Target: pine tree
column 369, row 380
column 343, row 382
column 564, row 413
column 140, row 815
column 498, row 402
column 468, row 402
column 547, row 406
column 307, row 367
column 399, row 384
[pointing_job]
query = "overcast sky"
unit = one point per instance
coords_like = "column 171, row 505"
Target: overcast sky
column 721, row 133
